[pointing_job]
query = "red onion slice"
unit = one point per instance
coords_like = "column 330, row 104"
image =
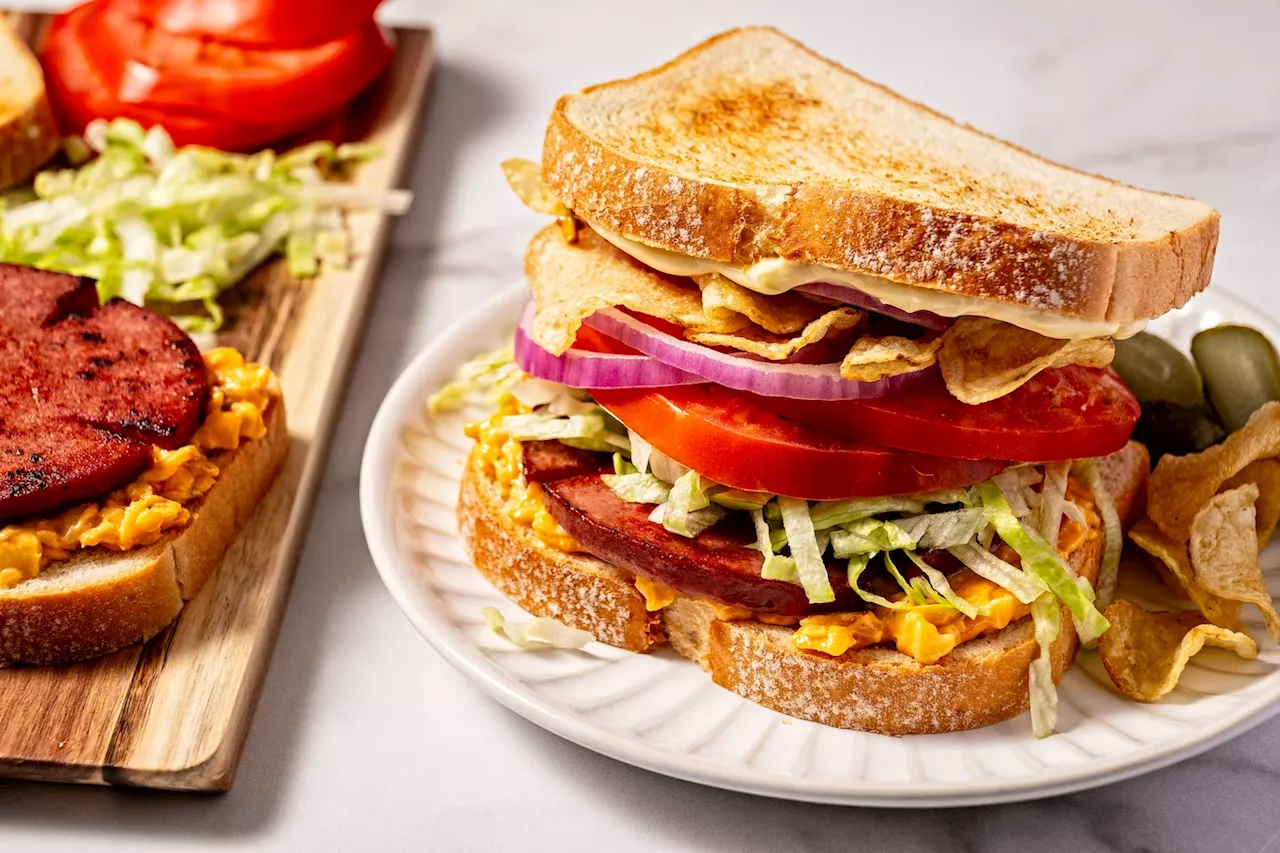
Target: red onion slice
column 579, row 368
column 770, row 379
column 853, row 296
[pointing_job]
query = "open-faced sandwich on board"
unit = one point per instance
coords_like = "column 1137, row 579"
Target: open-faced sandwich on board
column 128, row 464
column 813, row 386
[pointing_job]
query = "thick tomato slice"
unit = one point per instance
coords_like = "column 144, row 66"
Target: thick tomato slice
column 735, row 439
column 160, row 71
column 253, row 23
column 1068, row 413
column 80, row 93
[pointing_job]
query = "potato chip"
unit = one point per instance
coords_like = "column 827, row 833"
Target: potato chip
column 763, row 343
column 1181, row 485
column 1224, row 552
column 785, row 314
column 984, row 359
column 871, row 358
column 525, row 180
column 1220, row 611
column 570, row 283
column 1145, row 652
column 1265, row 474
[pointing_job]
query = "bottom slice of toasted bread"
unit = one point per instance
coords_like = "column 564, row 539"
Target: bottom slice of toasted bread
column 101, row 600
column 875, row 689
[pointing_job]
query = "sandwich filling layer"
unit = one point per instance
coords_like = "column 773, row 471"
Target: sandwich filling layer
column 774, row 276
column 889, row 606
column 159, row 499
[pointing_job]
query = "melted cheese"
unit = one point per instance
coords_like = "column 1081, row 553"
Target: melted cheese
column 503, row 459
column 772, row 276
column 656, row 596
column 154, row 503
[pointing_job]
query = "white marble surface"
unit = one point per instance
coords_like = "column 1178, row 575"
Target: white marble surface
column 366, row 740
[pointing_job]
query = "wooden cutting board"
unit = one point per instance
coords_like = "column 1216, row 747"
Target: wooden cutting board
column 173, row 713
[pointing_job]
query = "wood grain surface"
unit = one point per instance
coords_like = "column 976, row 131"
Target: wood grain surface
column 173, row 713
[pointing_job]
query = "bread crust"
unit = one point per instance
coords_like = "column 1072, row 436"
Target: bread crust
column 101, row 600
column 28, row 134
column 666, row 204
column 575, row 588
column 877, row 689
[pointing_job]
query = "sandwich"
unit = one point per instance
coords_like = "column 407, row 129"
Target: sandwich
column 128, row 464
column 813, row 387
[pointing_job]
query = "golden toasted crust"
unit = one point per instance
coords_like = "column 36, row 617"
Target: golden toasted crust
column 750, row 146
column 575, row 588
column 28, row 135
column 101, row 600
column 877, row 689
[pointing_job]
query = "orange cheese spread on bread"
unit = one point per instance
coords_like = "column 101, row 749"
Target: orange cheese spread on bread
column 141, row 512
column 502, row 457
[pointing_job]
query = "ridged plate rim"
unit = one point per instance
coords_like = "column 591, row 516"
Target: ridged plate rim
column 380, row 513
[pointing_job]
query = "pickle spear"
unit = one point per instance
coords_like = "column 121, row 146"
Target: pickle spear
column 1241, row 371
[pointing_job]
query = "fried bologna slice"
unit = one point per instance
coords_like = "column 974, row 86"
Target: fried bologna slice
column 102, row 600
column 876, row 689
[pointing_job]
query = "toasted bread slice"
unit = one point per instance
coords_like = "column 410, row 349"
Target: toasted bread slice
column 28, row 135
column 876, row 689
column 102, row 600
column 751, row 146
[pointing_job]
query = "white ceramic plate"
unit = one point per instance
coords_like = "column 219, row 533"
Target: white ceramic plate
column 663, row 713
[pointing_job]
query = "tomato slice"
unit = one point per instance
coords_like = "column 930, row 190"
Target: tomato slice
column 1067, row 413
column 737, row 440
column 163, row 72
column 253, row 23
column 80, row 93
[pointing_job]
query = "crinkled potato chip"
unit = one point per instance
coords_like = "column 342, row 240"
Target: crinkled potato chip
column 765, row 344
column 723, row 301
column 570, row 283
column 984, row 359
column 1220, row 611
column 1145, row 652
column 871, row 358
column 1224, row 552
column 1265, row 474
column 525, row 180
column 1181, row 485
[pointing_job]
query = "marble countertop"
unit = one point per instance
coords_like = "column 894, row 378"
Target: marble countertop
column 365, row 739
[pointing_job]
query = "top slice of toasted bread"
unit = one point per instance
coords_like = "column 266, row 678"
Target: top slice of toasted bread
column 28, row 135
column 751, row 146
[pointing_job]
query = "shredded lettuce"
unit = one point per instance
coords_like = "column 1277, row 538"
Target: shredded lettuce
column 857, row 565
column 486, row 379
column 1108, row 574
column 836, row 513
column 174, row 227
column 1043, row 561
column 533, row 392
column 869, row 536
column 691, row 524
column 622, row 465
column 776, row 566
column 545, row 427
column 538, row 633
column 1025, row 587
column 1044, row 695
column 913, row 592
column 687, row 498
column 938, row 530
column 637, row 488
column 640, row 451
column 1010, row 484
column 938, row 581
column 665, row 467
column 740, row 499
column 1052, row 494
column 804, row 550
